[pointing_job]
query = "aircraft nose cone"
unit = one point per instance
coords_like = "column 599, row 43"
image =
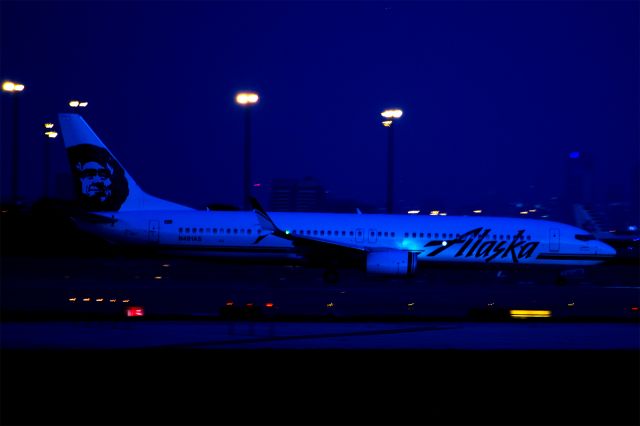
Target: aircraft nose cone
column 606, row 249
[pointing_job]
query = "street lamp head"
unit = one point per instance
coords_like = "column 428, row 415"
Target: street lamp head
column 10, row 86
column 246, row 98
column 391, row 113
column 51, row 135
column 76, row 104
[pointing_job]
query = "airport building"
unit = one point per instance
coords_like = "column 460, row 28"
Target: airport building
column 294, row 195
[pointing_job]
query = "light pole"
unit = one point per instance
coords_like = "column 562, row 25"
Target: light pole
column 50, row 135
column 390, row 115
column 14, row 89
column 247, row 100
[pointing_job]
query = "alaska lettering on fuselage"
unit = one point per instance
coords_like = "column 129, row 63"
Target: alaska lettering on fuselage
column 518, row 248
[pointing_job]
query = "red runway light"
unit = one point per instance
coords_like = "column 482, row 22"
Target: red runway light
column 135, row 311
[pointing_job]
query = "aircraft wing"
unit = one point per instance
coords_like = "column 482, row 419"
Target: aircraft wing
column 312, row 246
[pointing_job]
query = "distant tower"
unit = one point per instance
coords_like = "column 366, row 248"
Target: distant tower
column 579, row 187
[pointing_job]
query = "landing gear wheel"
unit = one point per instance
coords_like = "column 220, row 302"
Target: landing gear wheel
column 330, row 276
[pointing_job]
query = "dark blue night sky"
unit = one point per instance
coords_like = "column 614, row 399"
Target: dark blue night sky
column 495, row 94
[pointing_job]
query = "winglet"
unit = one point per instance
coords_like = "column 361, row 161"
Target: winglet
column 264, row 219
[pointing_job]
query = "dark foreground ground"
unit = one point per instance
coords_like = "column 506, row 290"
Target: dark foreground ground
column 449, row 387
column 84, row 363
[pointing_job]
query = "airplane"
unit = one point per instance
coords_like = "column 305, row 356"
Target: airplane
column 121, row 212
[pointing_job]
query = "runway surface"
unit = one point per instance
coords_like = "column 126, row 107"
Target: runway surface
column 249, row 334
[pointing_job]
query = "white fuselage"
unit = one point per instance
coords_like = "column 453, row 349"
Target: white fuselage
column 469, row 239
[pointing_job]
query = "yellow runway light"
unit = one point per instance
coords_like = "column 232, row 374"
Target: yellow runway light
column 530, row 313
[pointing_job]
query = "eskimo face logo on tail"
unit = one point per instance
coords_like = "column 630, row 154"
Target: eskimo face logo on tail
column 100, row 181
column 472, row 243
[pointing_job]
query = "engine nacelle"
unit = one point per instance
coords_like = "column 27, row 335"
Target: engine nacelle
column 392, row 262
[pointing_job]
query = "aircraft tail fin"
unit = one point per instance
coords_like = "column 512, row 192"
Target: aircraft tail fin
column 100, row 181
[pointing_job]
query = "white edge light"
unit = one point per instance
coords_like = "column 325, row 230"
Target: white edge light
column 74, row 104
column 83, row 104
column 51, row 134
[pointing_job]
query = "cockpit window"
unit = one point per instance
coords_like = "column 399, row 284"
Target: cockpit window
column 585, row 237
